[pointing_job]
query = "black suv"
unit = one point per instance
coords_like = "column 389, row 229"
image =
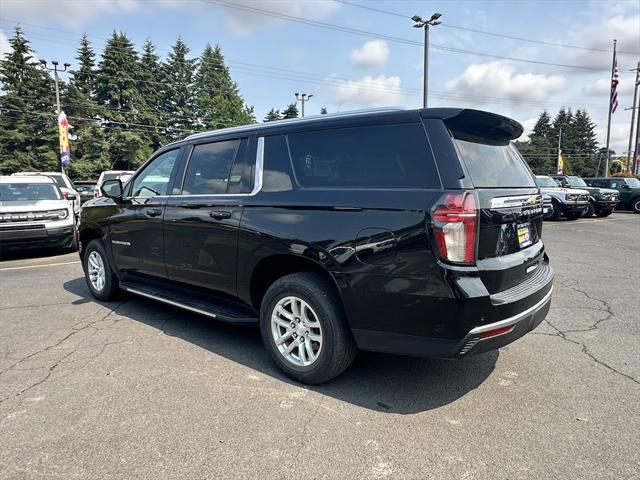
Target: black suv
column 406, row 231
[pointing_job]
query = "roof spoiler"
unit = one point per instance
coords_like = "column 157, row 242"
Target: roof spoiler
column 472, row 124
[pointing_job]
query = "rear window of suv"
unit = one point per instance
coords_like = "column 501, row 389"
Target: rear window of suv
column 492, row 165
column 378, row 156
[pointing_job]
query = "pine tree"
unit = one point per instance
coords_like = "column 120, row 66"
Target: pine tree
column 272, row 115
column 79, row 103
column 28, row 122
column 539, row 152
column 585, row 144
column 218, row 99
column 564, row 120
column 128, row 144
column 152, row 89
column 291, row 111
column 179, row 99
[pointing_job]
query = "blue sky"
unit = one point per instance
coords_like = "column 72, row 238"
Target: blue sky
column 271, row 58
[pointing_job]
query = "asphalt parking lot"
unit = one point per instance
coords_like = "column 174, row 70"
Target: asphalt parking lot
column 135, row 389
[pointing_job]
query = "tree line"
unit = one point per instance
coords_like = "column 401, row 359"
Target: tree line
column 122, row 104
column 578, row 144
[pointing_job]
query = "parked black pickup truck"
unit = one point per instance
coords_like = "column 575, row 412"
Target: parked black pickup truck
column 406, row 231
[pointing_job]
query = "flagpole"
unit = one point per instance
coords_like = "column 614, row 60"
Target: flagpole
column 613, row 66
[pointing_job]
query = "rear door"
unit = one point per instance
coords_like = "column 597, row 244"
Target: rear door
column 201, row 222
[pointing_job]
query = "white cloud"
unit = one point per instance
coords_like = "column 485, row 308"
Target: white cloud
column 528, row 127
column 370, row 55
column 380, row 91
column 244, row 21
column 600, row 88
column 498, row 79
column 67, row 12
column 600, row 35
column 5, row 47
column 619, row 136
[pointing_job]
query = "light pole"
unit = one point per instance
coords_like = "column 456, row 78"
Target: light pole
column 432, row 22
column 56, row 79
column 301, row 98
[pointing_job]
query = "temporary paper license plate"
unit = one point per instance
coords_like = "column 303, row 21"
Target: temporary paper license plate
column 524, row 235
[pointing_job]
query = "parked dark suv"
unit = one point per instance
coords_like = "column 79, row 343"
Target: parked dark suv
column 406, row 231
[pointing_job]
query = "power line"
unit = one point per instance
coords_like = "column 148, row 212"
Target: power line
column 355, row 31
column 296, row 76
column 493, row 34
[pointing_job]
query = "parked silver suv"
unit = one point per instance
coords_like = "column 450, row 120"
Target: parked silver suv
column 35, row 214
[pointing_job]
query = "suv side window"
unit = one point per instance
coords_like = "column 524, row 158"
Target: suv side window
column 155, row 178
column 209, row 168
column 384, row 156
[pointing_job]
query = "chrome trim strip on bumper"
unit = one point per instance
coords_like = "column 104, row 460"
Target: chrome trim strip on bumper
column 512, row 320
column 170, row 302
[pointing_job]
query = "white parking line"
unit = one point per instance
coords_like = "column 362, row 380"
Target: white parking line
column 36, row 266
column 588, row 220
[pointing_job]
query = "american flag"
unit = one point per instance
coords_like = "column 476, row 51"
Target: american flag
column 614, row 85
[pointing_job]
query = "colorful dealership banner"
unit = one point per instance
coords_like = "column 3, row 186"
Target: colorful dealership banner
column 63, row 129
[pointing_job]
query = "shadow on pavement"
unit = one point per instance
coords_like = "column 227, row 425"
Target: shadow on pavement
column 33, row 253
column 380, row 382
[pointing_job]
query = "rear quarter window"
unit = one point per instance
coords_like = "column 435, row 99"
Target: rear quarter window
column 379, row 156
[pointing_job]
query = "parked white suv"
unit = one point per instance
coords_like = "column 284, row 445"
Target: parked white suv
column 64, row 182
column 123, row 175
column 34, row 214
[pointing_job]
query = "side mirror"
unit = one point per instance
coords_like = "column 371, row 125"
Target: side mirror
column 71, row 197
column 112, row 188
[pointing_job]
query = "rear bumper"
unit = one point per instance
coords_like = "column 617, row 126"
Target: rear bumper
column 513, row 313
column 17, row 239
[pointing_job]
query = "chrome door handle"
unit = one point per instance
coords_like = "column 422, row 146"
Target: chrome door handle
column 220, row 214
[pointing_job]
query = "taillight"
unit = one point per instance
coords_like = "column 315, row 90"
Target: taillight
column 455, row 226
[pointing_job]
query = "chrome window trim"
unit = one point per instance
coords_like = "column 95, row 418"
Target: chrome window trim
column 257, row 181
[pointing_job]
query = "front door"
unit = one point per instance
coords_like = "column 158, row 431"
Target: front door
column 201, row 224
column 137, row 240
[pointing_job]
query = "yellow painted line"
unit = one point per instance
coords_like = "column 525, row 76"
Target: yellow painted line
column 37, row 266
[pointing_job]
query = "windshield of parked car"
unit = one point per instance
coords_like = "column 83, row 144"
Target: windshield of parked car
column 576, row 182
column 546, row 182
column 633, row 182
column 109, row 176
column 492, row 165
column 21, row 192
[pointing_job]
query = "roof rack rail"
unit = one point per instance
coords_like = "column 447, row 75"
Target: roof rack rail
column 290, row 121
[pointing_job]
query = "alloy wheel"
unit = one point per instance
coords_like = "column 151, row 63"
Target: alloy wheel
column 296, row 331
column 97, row 274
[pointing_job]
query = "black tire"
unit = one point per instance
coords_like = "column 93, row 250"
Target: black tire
column 556, row 210
column 589, row 210
column 73, row 244
column 110, row 289
column 604, row 213
column 338, row 347
column 635, row 204
column 573, row 215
